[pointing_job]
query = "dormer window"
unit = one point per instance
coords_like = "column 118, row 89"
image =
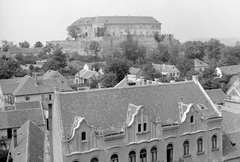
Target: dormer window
column 139, row 127
column 83, row 136
column 192, row 119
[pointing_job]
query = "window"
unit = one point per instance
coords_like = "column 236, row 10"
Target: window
column 132, row 156
column 170, row 153
column 186, row 148
column 143, row 155
column 214, row 141
column 94, row 160
column 50, row 97
column 86, row 34
column 83, row 136
column 145, row 127
column 191, row 119
column 114, row 158
column 154, row 153
column 200, row 145
column 139, row 127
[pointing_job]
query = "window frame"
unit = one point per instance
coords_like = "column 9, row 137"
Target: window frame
column 214, row 142
column 132, row 157
column 199, row 145
column 154, row 153
column 114, row 159
column 83, row 134
column 143, row 155
column 186, row 148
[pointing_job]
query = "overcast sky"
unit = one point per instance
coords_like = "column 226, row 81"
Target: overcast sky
column 45, row 20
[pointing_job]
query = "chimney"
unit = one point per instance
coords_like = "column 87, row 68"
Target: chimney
column 163, row 66
column 35, row 78
column 195, row 78
column 15, row 138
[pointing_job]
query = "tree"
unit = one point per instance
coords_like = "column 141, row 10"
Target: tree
column 8, row 68
column 119, row 67
column 159, row 54
column 24, row 44
column 97, row 66
column 48, row 48
column 184, row 65
column 3, row 149
column 38, row 44
column 94, row 48
column 195, row 49
column 158, row 38
column 150, row 73
column 6, row 45
column 74, row 31
column 131, row 49
column 109, row 80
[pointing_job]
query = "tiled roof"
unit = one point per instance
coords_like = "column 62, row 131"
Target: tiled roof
column 27, row 105
column 80, row 73
column 230, row 70
column 16, row 118
column 9, row 85
column 231, row 120
column 134, row 71
column 231, row 146
column 88, row 74
column 198, row 63
column 106, row 109
column 44, row 86
column 30, row 144
column 233, row 79
column 165, row 68
column 48, row 74
column 116, row 20
column 217, row 95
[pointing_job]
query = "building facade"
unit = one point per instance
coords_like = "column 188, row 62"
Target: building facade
column 117, row 26
column 163, row 122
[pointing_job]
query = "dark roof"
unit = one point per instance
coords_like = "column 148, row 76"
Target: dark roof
column 116, row 20
column 9, row 85
column 217, row 95
column 44, row 86
column 165, row 68
column 233, row 79
column 16, row 118
column 198, row 63
column 106, row 109
column 27, row 105
column 231, row 120
column 231, row 145
column 30, row 144
column 230, row 70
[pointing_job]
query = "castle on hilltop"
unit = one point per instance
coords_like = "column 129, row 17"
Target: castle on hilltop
column 117, row 26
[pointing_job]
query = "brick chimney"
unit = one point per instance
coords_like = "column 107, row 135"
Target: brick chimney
column 15, row 138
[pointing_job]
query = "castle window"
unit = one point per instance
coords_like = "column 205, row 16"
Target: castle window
column 94, row 160
column 200, row 144
column 145, row 127
column 143, row 155
column 132, row 156
column 154, row 153
column 83, row 136
column 186, row 148
column 139, row 127
column 214, row 142
column 114, row 158
column 192, row 119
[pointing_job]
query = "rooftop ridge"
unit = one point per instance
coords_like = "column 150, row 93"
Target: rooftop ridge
column 128, row 87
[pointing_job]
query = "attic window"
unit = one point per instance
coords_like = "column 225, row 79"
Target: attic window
column 192, row 119
column 83, row 136
column 139, row 127
column 232, row 143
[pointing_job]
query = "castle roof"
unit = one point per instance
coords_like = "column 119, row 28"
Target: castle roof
column 116, row 20
column 106, row 109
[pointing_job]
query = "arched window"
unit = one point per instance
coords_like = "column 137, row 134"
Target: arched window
column 114, row 158
column 94, row 160
column 83, row 136
column 186, row 148
column 132, row 156
column 214, row 141
column 191, row 119
column 139, row 127
column 154, row 153
column 145, row 127
column 200, row 144
column 143, row 155
column 170, row 153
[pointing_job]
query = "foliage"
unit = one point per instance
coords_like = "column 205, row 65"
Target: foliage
column 94, row 82
column 97, row 66
column 48, row 48
column 6, row 45
column 195, row 49
column 94, row 48
column 119, row 67
column 131, row 49
column 150, row 73
column 24, row 44
column 74, row 31
column 159, row 38
column 100, row 31
column 38, row 44
column 109, row 80
column 69, row 70
column 184, row 65
column 3, row 149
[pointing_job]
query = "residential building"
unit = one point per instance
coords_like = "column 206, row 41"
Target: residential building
column 83, row 76
column 168, row 70
column 199, row 65
column 117, row 26
column 14, row 119
column 227, row 70
column 134, row 73
column 51, row 74
column 28, row 144
column 162, row 122
column 217, row 96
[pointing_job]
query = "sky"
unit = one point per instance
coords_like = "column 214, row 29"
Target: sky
column 46, row 20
